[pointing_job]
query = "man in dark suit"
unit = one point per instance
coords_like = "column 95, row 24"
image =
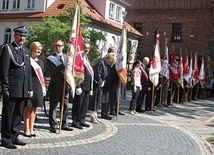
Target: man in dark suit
column 81, row 99
column 16, row 84
column 144, row 83
column 56, row 65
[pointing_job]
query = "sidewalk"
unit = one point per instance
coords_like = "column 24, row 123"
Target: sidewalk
column 181, row 129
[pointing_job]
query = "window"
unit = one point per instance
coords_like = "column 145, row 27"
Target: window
column 30, row 4
column 7, row 36
column 111, row 10
column 4, row 4
column 176, row 32
column 138, row 26
column 15, row 4
column 118, row 13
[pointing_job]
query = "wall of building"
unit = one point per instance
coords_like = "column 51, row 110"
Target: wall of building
column 196, row 17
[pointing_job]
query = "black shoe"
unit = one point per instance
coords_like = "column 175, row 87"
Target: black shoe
column 85, row 125
column 106, row 117
column 53, row 130
column 140, row 110
column 9, row 146
column 120, row 113
column 76, row 126
column 33, row 135
column 17, row 141
column 66, row 128
column 29, row 136
column 113, row 113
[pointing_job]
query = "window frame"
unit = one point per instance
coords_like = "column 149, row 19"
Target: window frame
column 111, row 10
column 30, row 4
column 176, row 32
column 118, row 13
column 7, row 35
column 15, row 4
column 6, row 5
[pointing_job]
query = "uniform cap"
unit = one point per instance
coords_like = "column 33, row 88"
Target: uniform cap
column 21, row 30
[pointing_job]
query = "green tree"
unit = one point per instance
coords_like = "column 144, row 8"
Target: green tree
column 59, row 27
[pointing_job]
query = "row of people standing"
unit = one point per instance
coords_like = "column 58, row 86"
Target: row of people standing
column 23, row 85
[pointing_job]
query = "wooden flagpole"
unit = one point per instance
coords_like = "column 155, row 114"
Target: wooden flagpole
column 118, row 98
column 62, row 106
column 161, row 89
column 152, row 98
column 171, row 82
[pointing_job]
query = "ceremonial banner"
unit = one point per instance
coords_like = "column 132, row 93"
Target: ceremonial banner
column 120, row 65
column 173, row 68
column 180, row 71
column 74, row 70
column 186, row 68
column 202, row 73
column 165, row 64
column 155, row 66
column 196, row 71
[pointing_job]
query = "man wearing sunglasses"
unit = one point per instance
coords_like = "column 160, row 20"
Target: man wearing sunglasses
column 56, row 64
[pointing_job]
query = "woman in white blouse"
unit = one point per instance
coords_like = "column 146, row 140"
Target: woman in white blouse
column 136, row 85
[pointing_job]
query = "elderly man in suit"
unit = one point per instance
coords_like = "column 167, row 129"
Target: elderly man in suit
column 16, row 84
column 81, row 99
column 56, row 65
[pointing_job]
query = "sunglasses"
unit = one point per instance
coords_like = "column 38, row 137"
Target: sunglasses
column 58, row 45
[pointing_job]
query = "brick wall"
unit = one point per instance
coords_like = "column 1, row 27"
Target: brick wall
column 196, row 17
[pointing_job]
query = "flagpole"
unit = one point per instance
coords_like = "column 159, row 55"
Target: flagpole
column 161, row 89
column 152, row 99
column 62, row 106
column 118, row 98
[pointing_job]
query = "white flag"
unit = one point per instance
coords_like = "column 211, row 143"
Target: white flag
column 155, row 66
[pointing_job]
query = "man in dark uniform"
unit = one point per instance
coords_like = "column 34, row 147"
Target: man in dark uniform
column 81, row 99
column 56, row 65
column 16, row 84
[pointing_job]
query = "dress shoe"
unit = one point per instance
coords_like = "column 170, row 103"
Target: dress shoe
column 112, row 113
column 85, row 125
column 106, row 117
column 9, row 146
column 76, row 126
column 53, row 130
column 33, row 135
column 120, row 113
column 29, row 136
column 140, row 110
column 17, row 141
column 66, row 128
column 131, row 112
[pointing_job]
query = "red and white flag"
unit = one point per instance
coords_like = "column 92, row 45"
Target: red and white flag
column 120, row 65
column 165, row 64
column 74, row 70
column 155, row 66
column 173, row 68
column 202, row 73
column 195, row 71
column 186, row 68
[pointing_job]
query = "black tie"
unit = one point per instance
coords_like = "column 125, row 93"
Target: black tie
column 60, row 59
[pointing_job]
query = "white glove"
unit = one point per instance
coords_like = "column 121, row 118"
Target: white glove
column 102, row 84
column 149, row 88
column 135, row 89
column 44, row 91
column 140, row 88
column 30, row 94
column 78, row 91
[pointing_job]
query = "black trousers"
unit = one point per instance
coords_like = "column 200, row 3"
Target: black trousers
column 80, row 107
column 11, row 118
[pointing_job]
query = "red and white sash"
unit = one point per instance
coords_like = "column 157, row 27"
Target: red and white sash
column 144, row 74
column 39, row 74
column 91, row 71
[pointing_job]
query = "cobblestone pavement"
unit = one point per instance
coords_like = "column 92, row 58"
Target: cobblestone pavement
column 178, row 130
